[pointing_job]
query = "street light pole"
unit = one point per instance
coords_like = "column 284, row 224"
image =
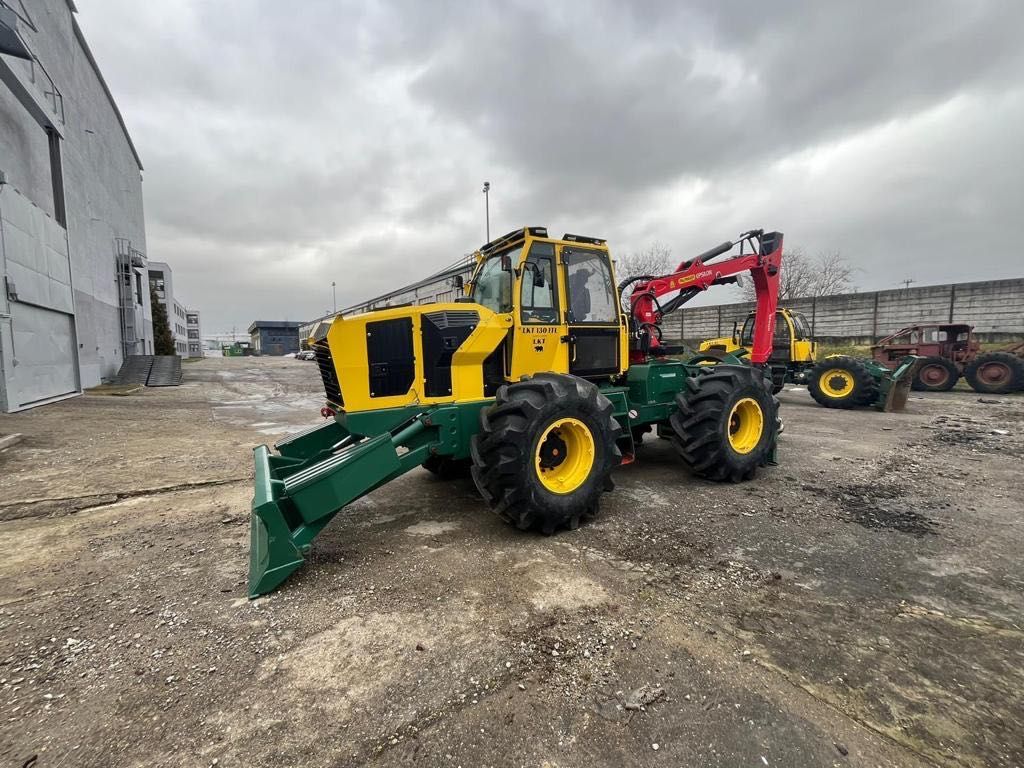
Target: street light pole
column 334, row 294
column 487, row 208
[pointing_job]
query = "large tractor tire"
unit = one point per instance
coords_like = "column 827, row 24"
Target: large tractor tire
column 935, row 374
column 545, row 452
column 842, row 382
column 726, row 422
column 995, row 373
column 447, row 468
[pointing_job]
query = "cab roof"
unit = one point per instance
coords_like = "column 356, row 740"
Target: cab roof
column 542, row 232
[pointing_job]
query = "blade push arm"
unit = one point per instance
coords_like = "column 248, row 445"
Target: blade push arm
column 762, row 263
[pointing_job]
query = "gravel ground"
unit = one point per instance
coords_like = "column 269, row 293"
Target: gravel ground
column 859, row 604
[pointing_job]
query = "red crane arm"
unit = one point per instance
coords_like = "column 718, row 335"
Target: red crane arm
column 696, row 275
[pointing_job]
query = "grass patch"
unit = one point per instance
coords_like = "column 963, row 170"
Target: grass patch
column 851, row 350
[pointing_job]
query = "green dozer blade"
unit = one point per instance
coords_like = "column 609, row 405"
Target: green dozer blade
column 272, row 554
column 894, row 385
column 317, row 473
column 295, row 500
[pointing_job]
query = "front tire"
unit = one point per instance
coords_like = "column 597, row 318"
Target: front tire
column 842, row 382
column 726, row 422
column 545, row 452
column 935, row 374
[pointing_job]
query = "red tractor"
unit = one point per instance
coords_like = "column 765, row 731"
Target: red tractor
column 951, row 351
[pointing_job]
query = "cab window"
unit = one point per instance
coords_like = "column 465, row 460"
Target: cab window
column 537, row 300
column 801, row 326
column 781, row 331
column 492, row 287
column 590, row 289
column 747, row 336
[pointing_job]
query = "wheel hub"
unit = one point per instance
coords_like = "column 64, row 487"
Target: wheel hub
column 565, row 455
column 746, row 425
column 836, row 382
column 934, row 375
column 994, row 374
column 552, row 451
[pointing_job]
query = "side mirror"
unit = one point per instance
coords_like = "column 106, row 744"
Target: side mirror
column 535, row 270
column 457, row 282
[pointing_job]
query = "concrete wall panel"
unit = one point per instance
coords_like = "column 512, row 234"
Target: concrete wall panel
column 994, row 307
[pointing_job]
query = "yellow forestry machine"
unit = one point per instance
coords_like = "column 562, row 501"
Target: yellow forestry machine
column 834, row 381
column 540, row 380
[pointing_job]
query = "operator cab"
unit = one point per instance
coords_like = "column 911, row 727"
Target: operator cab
column 561, row 297
column 953, row 341
column 790, row 327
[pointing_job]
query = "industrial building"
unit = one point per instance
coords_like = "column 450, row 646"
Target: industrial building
column 73, row 301
column 274, row 337
column 195, row 335
column 184, row 322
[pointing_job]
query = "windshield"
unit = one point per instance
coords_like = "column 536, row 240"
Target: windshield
column 492, row 287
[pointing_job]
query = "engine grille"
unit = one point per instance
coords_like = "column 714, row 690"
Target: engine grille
column 325, row 363
column 453, row 318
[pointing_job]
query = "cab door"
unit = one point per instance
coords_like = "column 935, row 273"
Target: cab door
column 782, row 342
column 539, row 327
column 595, row 332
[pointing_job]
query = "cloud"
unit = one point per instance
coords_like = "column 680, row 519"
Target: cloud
column 289, row 145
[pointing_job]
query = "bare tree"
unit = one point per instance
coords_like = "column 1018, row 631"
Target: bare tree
column 654, row 260
column 824, row 274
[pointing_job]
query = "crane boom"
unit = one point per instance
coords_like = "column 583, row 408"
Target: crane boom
column 763, row 263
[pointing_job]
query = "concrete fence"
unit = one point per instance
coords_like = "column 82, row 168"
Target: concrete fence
column 994, row 307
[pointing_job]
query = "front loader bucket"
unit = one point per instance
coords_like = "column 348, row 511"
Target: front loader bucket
column 894, row 386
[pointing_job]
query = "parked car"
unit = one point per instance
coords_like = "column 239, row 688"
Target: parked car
column 306, row 354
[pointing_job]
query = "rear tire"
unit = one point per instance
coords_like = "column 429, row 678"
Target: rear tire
column 842, row 382
column 545, row 452
column 726, row 422
column 995, row 373
column 935, row 374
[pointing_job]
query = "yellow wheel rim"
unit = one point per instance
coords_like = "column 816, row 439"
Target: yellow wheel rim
column 564, row 455
column 746, row 425
column 836, row 382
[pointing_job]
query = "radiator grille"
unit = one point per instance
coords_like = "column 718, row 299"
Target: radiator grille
column 329, row 376
column 453, row 318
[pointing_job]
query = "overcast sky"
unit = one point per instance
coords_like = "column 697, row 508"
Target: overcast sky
column 287, row 145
